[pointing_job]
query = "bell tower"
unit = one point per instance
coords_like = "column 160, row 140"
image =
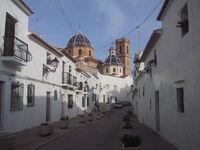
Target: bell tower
column 124, row 53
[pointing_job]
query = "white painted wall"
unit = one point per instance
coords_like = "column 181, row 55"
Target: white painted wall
column 178, row 59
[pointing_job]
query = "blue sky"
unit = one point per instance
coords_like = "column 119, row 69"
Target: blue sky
column 102, row 21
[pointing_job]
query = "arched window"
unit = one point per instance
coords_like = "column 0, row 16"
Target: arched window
column 80, row 52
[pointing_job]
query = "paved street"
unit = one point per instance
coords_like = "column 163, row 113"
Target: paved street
column 105, row 134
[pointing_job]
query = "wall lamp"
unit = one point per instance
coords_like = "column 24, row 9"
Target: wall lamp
column 54, row 63
column 147, row 69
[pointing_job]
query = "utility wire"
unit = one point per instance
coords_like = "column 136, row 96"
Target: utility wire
column 137, row 26
column 62, row 11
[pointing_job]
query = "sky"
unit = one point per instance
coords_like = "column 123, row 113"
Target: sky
column 102, row 21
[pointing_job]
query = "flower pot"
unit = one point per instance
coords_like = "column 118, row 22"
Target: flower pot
column 131, row 148
column 7, row 141
column 64, row 124
column 45, row 129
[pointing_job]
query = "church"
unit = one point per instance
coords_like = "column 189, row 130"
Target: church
column 117, row 64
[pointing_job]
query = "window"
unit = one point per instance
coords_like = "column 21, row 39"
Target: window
column 88, row 101
column 139, row 93
column 120, row 70
column 106, row 70
column 80, row 52
column 114, row 69
column 30, row 95
column 115, row 87
column 150, row 104
column 127, row 49
column 143, row 91
column 83, row 101
column 180, row 99
column 17, row 92
column 104, row 98
column 120, row 49
column 184, row 22
column 9, row 35
column 155, row 57
column 70, row 101
column 107, row 87
column 90, row 54
column 55, row 95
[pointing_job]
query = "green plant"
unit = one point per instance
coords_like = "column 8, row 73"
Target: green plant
column 130, row 140
column 126, row 118
column 127, row 125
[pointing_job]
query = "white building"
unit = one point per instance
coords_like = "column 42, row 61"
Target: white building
column 168, row 87
column 41, row 83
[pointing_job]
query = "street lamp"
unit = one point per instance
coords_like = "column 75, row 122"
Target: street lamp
column 54, row 63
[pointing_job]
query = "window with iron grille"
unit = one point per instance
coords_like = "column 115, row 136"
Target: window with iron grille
column 30, row 95
column 55, row 95
column 83, row 101
column 17, row 92
column 88, row 101
column 70, row 101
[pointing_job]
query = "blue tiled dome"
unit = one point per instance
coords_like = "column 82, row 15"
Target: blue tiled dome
column 79, row 40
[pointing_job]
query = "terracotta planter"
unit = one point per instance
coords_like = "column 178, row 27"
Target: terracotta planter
column 45, row 129
column 7, row 141
column 131, row 148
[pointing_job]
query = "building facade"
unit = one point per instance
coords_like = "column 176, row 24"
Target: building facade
column 167, row 88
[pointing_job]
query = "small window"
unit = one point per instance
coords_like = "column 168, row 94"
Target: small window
column 55, row 95
column 17, row 92
column 120, row 70
column 80, row 52
column 120, row 49
column 127, row 49
column 88, row 101
column 70, row 101
column 150, row 104
column 114, row 69
column 106, row 70
column 180, row 99
column 30, row 95
column 184, row 22
column 155, row 58
column 90, row 53
column 143, row 93
column 139, row 93
column 83, row 101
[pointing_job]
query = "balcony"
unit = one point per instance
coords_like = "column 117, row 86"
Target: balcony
column 69, row 80
column 15, row 51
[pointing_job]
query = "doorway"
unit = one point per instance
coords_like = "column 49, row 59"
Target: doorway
column 1, row 98
column 48, row 106
column 157, row 111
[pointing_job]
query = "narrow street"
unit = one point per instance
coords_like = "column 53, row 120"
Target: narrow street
column 105, row 134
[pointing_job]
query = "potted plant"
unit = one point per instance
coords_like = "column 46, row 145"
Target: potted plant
column 126, row 118
column 82, row 118
column 64, row 122
column 90, row 117
column 7, row 141
column 45, row 129
column 131, row 142
column 128, row 125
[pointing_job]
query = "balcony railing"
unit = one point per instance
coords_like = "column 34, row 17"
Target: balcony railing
column 14, row 47
column 69, row 79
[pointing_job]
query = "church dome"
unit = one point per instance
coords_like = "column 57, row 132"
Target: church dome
column 79, row 40
column 112, row 59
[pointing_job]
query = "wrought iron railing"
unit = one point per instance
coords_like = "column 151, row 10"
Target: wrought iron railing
column 15, row 47
column 69, row 79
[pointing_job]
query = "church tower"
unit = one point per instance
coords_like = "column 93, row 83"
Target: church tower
column 124, row 53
